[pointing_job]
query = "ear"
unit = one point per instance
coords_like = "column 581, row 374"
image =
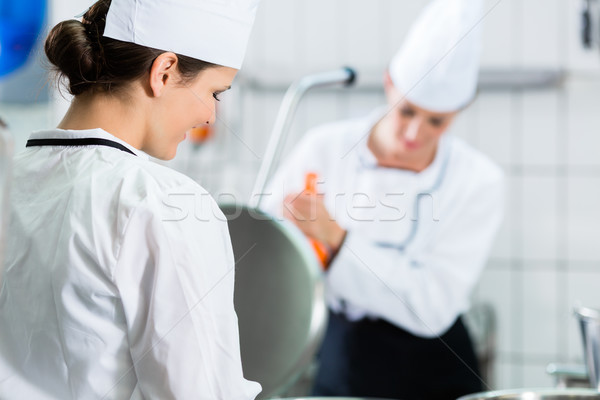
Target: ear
column 164, row 68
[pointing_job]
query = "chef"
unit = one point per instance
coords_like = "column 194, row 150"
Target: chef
column 408, row 213
column 119, row 272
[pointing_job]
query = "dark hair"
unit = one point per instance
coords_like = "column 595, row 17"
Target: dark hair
column 92, row 62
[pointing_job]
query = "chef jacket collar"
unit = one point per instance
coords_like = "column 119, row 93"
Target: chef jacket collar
column 429, row 177
column 97, row 133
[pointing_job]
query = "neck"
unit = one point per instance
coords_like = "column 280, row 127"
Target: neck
column 120, row 118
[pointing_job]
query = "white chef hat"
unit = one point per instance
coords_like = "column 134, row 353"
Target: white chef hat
column 215, row 31
column 437, row 66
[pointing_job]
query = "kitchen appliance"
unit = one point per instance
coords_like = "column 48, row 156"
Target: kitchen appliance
column 278, row 284
column 535, row 394
column 589, row 324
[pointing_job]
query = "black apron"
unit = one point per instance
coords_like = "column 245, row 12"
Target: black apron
column 373, row 358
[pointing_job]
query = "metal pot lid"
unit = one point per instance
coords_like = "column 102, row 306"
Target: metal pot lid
column 278, row 297
column 535, row 394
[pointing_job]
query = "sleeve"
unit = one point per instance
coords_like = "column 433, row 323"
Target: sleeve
column 425, row 288
column 175, row 274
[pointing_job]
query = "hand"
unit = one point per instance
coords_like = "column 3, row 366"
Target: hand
column 307, row 211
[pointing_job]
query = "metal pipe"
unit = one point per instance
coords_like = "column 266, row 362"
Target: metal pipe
column 286, row 112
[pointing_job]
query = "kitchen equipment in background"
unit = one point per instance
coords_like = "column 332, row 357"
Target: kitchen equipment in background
column 590, row 24
column 278, row 298
column 20, row 24
column 24, row 80
column 278, row 285
column 569, row 376
column 288, row 107
column 535, row 394
column 588, row 375
column 586, row 24
column 589, row 324
column 331, row 398
column 6, row 151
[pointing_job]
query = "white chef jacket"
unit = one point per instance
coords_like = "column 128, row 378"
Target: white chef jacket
column 119, row 281
column 416, row 242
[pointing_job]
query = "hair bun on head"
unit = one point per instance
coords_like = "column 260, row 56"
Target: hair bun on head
column 74, row 48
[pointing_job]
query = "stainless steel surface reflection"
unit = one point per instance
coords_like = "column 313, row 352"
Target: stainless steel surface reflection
column 331, row 398
column 535, row 394
column 278, row 298
column 589, row 323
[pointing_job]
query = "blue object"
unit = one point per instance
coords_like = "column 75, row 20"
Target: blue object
column 20, row 24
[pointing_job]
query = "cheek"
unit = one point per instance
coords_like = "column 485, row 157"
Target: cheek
column 436, row 131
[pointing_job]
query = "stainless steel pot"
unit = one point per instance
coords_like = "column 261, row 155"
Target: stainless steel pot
column 535, row 394
column 589, row 323
column 278, row 298
column 278, row 282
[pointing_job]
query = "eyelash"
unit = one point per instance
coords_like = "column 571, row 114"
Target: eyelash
column 215, row 96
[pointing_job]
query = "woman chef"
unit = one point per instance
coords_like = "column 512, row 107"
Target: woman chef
column 119, row 272
column 410, row 214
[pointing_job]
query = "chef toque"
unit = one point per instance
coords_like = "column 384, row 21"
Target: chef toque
column 437, row 66
column 215, row 31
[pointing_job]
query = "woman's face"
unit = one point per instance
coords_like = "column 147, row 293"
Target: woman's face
column 408, row 135
column 183, row 106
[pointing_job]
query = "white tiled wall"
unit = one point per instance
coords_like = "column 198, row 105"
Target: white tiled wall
column 547, row 256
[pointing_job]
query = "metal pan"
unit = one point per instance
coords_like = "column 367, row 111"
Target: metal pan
column 589, row 325
column 278, row 283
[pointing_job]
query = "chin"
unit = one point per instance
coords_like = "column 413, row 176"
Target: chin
column 165, row 155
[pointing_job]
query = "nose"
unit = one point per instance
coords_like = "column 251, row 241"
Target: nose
column 413, row 129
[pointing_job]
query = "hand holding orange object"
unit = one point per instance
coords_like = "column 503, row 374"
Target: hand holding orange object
column 320, row 249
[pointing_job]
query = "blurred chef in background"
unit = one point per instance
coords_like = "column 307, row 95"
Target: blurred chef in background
column 114, row 288
column 408, row 214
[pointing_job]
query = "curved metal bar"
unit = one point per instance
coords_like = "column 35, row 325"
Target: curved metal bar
column 288, row 107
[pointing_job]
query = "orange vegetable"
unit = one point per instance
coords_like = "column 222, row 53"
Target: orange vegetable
column 320, row 249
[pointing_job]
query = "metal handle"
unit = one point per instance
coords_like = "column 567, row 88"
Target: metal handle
column 586, row 25
column 288, row 107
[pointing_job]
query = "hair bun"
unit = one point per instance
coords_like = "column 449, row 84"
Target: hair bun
column 70, row 50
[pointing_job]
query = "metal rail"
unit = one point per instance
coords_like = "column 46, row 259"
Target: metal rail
column 286, row 112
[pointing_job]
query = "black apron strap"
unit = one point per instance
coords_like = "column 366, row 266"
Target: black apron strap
column 77, row 143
